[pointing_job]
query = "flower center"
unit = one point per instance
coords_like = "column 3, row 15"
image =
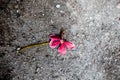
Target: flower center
column 61, row 41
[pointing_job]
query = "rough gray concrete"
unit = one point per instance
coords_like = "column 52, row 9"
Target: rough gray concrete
column 93, row 25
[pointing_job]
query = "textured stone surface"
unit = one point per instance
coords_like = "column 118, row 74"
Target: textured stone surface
column 93, row 25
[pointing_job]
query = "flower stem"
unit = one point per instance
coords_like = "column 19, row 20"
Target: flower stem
column 30, row 46
column 62, row 32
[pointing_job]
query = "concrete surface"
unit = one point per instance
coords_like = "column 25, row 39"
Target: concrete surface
column 93, row 25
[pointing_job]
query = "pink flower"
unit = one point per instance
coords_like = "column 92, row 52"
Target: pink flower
column 57, row 41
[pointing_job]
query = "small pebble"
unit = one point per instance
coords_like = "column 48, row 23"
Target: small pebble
column 18, row 49
column 37, row 69
column 57, row 6
column 61, row 11
column 34, row 59
column 43, row 14
column 33, row 38
column 18, row 11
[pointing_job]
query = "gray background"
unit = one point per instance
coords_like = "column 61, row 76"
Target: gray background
column 93, row 25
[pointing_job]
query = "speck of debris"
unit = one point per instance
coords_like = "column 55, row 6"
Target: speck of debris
column 18, row 49
column 43, row 14
column 57, row 6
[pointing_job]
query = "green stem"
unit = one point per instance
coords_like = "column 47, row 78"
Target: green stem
column 31, row 45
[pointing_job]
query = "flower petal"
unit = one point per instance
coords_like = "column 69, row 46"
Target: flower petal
column 69, row 45
column 54, row 43
column 62, row 49
column 54, row 37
